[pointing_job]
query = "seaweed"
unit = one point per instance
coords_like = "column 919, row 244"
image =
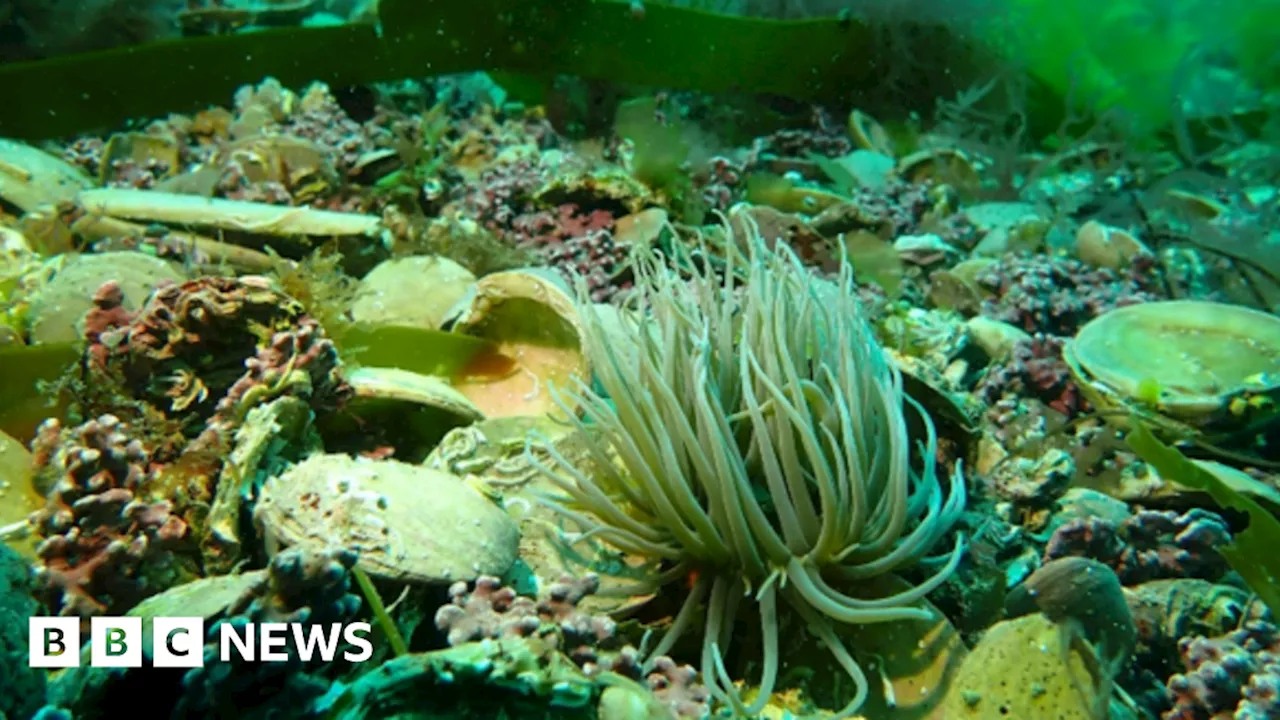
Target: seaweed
column 819, row 59
column 664, row 148
column 1252, row 551
column 30, row 390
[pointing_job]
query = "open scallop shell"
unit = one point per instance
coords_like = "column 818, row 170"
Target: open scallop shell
column 1189, row 367
column 532, row 320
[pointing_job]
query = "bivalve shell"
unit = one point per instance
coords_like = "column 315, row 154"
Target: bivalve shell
column 408, row 523
column 1187, row 366
column 532, row 318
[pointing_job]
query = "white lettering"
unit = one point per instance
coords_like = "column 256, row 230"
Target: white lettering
column 359, row 641
column 273, row 636
column 316, row 636
column 227, row 636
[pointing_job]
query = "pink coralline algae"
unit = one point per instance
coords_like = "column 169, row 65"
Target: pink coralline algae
column 1057, row 295
column 502, row 193
column 104, row 547
column 825, row 138
column 1148, row 545
column 1234, row 676
column 900, row 207
column 1036, row 369
column 576, row 243
column 315, row 116
column 198, row 348
column 491, row 610
column 298, row 357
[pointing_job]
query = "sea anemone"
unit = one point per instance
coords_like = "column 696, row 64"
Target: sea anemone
column 761, row 444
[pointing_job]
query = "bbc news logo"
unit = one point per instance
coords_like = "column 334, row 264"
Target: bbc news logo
column 178, row 642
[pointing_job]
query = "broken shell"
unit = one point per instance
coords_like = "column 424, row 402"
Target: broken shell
column 30, row 177
column 58, row 307
column 610, row 188
column 947, row 166
column 1142, row 484
column 924, row 249
column 782, row 194
column 414, row 411
column 777, row 228
column 293, row 162
column 1006, row 227
column 875, row 261
column 1188, row 367
column 232, row 215
column 218, row 18
column 420, row 291
column 18, row 495
column 13, row 241
column 1025, row 668
column 533, row 321
column 408, row 523
column 1107, row 247
column 374, row 165
column 494, row 453
column 94, row 228
column 868, row 134
column 403, row 386
column 1197, row 206
column 47, row 230
column 640, row 229
column 969, row 270
column 1091, row 156
column 948, row 290
column 994, row 337
column 276, row 432
column 148, row 151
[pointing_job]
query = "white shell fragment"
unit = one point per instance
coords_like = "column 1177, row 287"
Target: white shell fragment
column 408, row 523
column 30, row 177
column 233, row 215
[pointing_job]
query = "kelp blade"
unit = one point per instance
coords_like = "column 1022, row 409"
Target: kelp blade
column 22, row 404
column 821, row 59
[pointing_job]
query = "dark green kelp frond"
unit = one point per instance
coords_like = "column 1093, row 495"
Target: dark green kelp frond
column 829, row 58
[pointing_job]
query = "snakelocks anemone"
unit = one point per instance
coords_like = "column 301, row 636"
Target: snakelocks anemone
column 762, row 446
